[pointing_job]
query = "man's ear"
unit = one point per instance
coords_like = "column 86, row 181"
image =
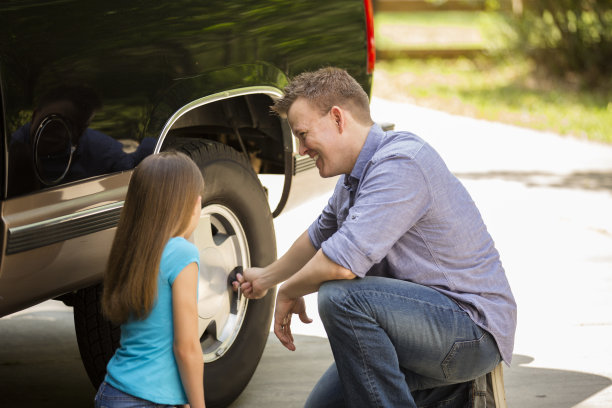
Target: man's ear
column 338, row 116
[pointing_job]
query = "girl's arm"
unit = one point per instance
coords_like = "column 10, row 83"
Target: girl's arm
column 187, row 350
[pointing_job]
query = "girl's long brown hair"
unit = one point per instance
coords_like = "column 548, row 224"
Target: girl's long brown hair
column 158, row 206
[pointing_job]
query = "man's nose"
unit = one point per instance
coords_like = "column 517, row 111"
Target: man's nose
column 302, row 149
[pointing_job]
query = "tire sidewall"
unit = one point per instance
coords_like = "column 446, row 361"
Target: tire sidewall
column 229, row 181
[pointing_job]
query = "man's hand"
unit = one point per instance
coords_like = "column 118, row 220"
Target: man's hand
column 285, row 307
column 251, row 283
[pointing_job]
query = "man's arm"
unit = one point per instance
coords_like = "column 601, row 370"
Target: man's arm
column 307, row 280
column 255, row 282
column 304, row 269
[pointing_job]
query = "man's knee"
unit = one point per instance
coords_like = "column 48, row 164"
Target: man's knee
column 332, row 295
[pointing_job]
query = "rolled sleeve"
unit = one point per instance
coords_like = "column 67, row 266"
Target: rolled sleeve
column 315, row 235
column 343, row 251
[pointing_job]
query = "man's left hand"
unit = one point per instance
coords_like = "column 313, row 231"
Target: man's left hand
column 285, row 307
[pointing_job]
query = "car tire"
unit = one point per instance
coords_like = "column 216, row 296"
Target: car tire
column 235, row 211
column 231, row 184
column 97, row 338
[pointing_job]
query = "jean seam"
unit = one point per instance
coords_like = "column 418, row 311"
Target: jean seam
column 373, row 390
column 429, row 304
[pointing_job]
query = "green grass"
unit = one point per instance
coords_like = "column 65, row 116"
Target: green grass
column 499, row 88
column 507, row 91
column 440, row 29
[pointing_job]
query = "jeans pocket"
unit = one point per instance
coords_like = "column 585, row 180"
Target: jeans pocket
column 110, row 397
column 469, row 359
column 97, row 403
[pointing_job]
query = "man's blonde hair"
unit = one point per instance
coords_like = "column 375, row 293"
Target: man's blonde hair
column 325, row 88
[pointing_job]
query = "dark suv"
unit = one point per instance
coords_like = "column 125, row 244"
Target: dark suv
column 89, row 88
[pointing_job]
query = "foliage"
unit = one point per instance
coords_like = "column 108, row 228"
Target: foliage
column 568, row 37
column 501, row 90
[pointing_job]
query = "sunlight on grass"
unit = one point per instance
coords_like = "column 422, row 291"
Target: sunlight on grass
column 454, row 29
column 506, row 92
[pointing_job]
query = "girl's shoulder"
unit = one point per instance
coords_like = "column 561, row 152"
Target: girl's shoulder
column 177, row 254
column 179, row 242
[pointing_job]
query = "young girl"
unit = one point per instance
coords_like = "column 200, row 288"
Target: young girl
column 150, row 289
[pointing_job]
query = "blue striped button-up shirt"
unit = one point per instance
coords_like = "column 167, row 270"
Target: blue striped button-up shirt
column 402, row 214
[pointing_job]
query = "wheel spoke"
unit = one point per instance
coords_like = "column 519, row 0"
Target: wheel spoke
column 221, row 318
column 203, row 234
column 230, row 249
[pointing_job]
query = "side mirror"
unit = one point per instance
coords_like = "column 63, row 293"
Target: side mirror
column 53, row 149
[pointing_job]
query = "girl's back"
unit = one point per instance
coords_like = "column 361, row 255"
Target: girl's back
column 144, row 364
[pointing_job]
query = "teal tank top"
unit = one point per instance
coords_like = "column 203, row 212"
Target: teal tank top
column 144, row 364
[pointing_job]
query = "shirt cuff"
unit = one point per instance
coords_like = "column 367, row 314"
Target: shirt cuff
column 341, row 249
column 316, row 238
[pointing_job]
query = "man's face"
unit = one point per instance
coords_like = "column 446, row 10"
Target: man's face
column 319, row 138
column 67, row 110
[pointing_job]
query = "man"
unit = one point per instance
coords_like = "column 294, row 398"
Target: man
column 95, row 153
column 412, row 293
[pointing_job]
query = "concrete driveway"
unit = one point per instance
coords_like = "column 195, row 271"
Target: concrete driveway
column 547, row 201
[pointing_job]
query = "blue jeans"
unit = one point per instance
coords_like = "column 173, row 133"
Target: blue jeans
column 110, row 397
column 398, row 344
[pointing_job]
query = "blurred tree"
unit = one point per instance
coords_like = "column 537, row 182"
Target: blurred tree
column 568, row 37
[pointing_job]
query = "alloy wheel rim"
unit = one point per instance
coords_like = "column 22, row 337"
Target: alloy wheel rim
column 223, row 246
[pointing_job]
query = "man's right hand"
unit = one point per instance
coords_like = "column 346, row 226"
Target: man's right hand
column 255, row 282
column 251, row 283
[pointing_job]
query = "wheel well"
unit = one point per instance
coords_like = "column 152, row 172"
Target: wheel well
column 243, row 122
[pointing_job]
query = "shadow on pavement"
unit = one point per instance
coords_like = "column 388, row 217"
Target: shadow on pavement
column 40, row 366
column 582, row 180
column 533, row 387
column 283, row 378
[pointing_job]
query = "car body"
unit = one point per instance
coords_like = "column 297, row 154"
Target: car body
column 90, row 88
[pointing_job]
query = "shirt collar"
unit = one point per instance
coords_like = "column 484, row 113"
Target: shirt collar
column 370, row 146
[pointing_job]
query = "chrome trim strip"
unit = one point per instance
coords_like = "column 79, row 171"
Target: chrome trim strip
column 250, row 90
column 62, row 228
